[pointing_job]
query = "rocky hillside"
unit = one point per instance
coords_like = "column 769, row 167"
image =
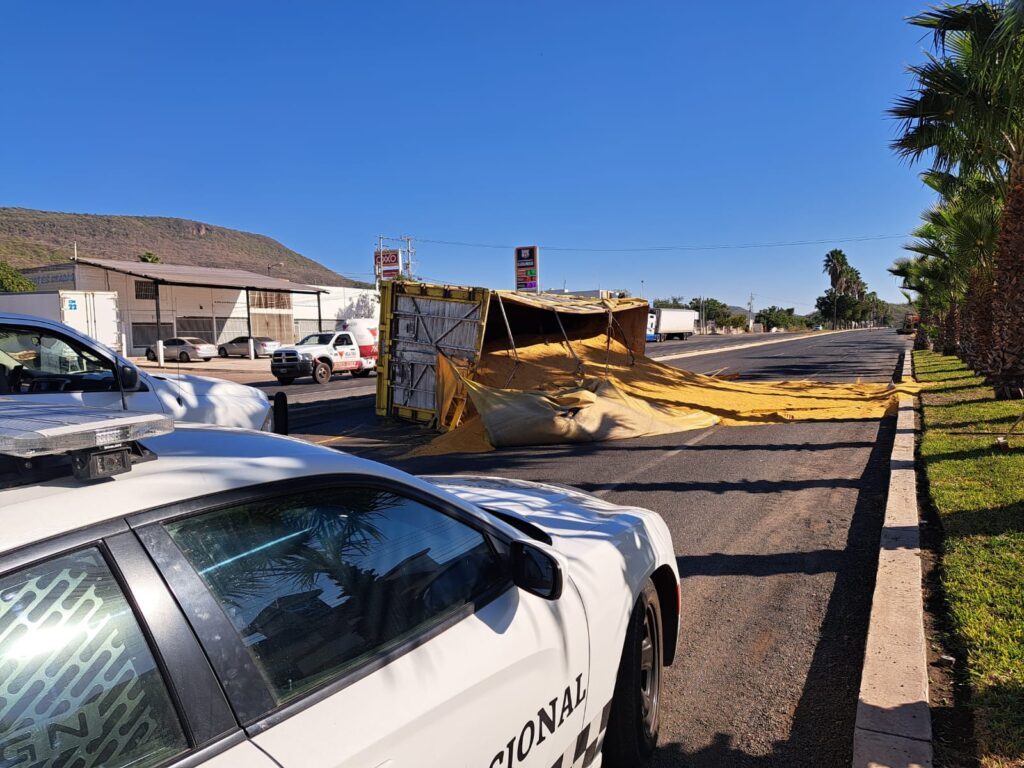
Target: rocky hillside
column 31, row 238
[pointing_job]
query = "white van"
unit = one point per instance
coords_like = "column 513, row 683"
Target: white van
column 46, row 361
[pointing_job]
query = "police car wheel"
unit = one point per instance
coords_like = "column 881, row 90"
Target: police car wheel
column 150, row 355
column 636, row 705
column 321, row 373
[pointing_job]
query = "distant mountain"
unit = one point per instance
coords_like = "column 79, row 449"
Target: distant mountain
column 31, row 238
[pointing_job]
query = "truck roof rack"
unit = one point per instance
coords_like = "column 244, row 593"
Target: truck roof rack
column 43, row 440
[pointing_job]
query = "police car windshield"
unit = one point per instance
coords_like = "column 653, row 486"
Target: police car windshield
column 33, row 361
column 318, row 338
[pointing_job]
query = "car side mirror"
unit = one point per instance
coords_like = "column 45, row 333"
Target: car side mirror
column 535, row 571
column 129, row 377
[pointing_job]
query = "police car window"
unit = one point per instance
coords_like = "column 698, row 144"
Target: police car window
column 78, row 684
column 318, row 582
column 34, row 362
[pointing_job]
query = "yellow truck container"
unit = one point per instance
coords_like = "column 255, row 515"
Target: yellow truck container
column 420, row 321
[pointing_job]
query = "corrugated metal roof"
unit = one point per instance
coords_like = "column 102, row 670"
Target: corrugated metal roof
column 207, row 277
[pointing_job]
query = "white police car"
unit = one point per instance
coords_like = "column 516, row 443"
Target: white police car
column 196, row 595
column 45, row 361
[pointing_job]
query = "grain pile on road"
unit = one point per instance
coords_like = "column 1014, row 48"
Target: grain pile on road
column 597, row 391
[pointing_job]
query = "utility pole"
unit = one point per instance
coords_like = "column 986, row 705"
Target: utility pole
column 409, row 252
column 750, row 313
column 377, row 265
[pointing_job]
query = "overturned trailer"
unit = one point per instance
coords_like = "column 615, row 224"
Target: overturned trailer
column 420, row 322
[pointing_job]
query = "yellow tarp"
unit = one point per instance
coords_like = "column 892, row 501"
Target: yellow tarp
column 669, row 395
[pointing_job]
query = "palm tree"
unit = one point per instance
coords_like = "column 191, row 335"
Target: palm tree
column 835, row 266
column 909, row 269
column 967, row 110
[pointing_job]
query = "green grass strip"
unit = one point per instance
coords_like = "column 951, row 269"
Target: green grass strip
column 978, row 493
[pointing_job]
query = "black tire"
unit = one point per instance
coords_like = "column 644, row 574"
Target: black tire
column 150, row 355
column 206, row 359
column 222, row 351
column 661, row 337
column 285, row 380
column 321, row 373
column 183, row 357
column 636, row 705
column 362, row 374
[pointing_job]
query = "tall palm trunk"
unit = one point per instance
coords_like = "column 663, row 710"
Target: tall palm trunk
column 978, row 311
column 1006, row 361
column 951, row 330
column 921, row 338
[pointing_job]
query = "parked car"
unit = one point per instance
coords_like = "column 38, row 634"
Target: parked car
column 185, row 349
column 261, row 345
column 47, row 361
column 232, row 598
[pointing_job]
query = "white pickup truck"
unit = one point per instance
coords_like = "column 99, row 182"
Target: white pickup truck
column 321, row 355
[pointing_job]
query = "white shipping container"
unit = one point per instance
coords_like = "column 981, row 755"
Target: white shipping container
column 671, row 323
column 93, row 313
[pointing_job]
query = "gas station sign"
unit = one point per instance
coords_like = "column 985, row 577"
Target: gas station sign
column 387, row 263
column 528, row 268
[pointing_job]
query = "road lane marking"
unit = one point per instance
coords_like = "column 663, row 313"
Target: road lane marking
column 748, row 345
column 326, row 440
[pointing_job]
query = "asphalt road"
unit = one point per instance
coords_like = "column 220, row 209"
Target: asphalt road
column 695, row 343
column 776, row 531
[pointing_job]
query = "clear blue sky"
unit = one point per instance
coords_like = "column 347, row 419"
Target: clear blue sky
column 570, row 124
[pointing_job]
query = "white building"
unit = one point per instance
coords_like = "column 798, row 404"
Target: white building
column 214, row 304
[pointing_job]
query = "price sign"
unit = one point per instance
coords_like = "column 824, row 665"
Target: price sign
column 528, row 268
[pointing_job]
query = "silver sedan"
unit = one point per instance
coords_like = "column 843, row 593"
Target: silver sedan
column 184, row 348
column 262, row 345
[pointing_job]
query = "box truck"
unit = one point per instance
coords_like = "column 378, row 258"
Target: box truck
column 93, row 313
column 665, row 324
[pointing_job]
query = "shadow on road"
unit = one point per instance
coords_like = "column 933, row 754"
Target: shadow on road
column 823, row 721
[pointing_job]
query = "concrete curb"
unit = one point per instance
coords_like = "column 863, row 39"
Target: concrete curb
column 716, row 350
column 893, row 727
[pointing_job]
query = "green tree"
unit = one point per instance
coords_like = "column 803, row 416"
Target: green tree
column 149, row 258
column 836, row 267
column 966, row 110
column 734, row 321
column 715, row 311
column 11, row 280
column 673, row 302
column 777, row 317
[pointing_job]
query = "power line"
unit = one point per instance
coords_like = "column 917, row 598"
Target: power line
column 664, row 248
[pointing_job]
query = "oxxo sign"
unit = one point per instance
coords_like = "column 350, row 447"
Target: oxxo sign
column 387, row 263
column 528, row 268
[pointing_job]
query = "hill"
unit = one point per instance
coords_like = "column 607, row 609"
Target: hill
column 30, row 238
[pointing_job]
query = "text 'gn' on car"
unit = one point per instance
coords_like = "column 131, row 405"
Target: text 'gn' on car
column 192, row 595
column 262, row 346
column 184, row 349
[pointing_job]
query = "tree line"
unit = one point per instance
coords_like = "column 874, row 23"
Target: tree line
column 965, row 114
column 848, row 301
